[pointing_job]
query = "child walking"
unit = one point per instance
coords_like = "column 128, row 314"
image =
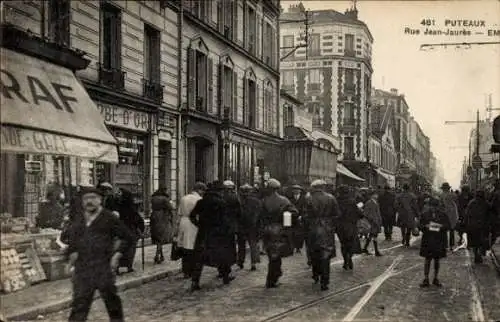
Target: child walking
column 434, row 224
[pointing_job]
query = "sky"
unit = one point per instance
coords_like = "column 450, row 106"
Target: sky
column 443, row 84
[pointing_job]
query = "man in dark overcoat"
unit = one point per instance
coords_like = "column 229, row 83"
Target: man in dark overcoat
column 297, row 197
column 251, row 209
column 407, row 208
column 215, row 243
column 322, row 215
column 477, row 223
column 386, row 203
column 277, row 238
column 92, row 253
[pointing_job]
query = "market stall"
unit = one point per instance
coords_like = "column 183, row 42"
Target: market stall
column 45, row 111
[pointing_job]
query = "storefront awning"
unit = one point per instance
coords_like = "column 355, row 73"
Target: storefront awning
column 341, row 169
column 45, row 109
column 389, row 178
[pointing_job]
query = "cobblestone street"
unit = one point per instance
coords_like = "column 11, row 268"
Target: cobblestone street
column 380, row 288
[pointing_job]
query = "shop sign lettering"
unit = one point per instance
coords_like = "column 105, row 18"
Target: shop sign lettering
column 123, row 117
column 37, row 91
column 19, row 139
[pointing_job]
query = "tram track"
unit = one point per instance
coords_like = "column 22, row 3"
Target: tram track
column 286, row 278
column 375, row 283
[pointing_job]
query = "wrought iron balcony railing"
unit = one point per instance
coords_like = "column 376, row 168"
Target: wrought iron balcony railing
column 153, row 90
column 111, row 77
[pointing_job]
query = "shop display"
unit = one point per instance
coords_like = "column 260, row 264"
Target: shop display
column 12, row 277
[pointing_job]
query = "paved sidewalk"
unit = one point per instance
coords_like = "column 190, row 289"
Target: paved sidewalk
column 48, row 297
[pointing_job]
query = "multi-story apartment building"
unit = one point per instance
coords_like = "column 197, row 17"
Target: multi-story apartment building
column 405, row 164
column 230, row 90
column 381, row 150
column 419, row 152
column 331, row 75
column 131, row 79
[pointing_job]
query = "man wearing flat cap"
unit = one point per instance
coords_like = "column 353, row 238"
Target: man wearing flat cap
column 277, row 238
column 93, row 256
column 322, row 215
column 297, row 197
column 251, row 209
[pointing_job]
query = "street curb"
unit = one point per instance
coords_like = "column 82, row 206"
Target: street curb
column 33, row 312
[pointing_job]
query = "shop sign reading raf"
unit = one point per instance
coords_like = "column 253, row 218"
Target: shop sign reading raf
column 124, row 117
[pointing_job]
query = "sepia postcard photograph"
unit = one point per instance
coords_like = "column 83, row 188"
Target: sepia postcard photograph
column 250, row 160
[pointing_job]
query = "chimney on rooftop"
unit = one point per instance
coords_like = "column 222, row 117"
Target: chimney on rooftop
column 394, row 91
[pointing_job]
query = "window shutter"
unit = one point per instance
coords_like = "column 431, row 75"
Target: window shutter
column 245, row 25
column 210, row 86
column 257, row 107
column 220, row 16
column 273, row 47
column 246, row 105
column 155, row 56
column 235, row 97
column 258, row 36
column 235, row 20
column 221, row 90
column 191, row 69
column 118, row 40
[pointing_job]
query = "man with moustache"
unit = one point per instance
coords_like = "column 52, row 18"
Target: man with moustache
column 94, row 259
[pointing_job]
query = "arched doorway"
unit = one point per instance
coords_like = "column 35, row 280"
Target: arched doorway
column 200, row 160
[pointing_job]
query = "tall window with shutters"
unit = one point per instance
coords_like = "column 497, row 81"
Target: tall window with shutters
column 250, row 29
column 269, row 108
column 269, row 44
column 59, row 21
column 111, row 37
column 200, row 77
column 250, row 100
column 228, row 89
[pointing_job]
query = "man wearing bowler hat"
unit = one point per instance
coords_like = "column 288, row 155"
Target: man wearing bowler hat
column 94, row 259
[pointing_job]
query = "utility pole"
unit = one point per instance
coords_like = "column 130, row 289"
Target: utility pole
column 477, row 157
column 307, row 22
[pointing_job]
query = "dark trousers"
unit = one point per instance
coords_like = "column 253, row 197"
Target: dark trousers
column 84, row 286
column 197, row 268
column 242, row 239
column 128, row 258
column 273, row 271
column 388, row 230
column 321, row 269
column 451, row 238
column 406, row 232
column 187, row 262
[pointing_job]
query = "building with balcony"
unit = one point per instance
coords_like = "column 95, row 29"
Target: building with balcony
column 231, row 123
column 331, row 74
column 132, row 81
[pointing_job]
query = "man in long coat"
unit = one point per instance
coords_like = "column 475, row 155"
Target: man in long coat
column 449, row 202
column 248, row 228
column 477, row 225
column 322, row 214
column 371, row 212
column 278, row 239
column 297, row 197
column 215, row 243
column 407, row 209
column 386, row 202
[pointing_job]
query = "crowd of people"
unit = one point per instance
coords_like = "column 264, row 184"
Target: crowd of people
column 215, row 222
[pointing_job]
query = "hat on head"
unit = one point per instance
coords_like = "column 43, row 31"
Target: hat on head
column 200, row 186
column 296, row 186
column 445, row 185
column 246, row 187
column 106, row 185
column 89, row 190
column 228, row 184
column 273, row 183
column 318, row 183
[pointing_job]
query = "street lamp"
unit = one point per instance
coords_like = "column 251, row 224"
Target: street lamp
column 225, row 134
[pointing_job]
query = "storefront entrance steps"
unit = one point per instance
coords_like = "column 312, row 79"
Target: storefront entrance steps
column 47, row 297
